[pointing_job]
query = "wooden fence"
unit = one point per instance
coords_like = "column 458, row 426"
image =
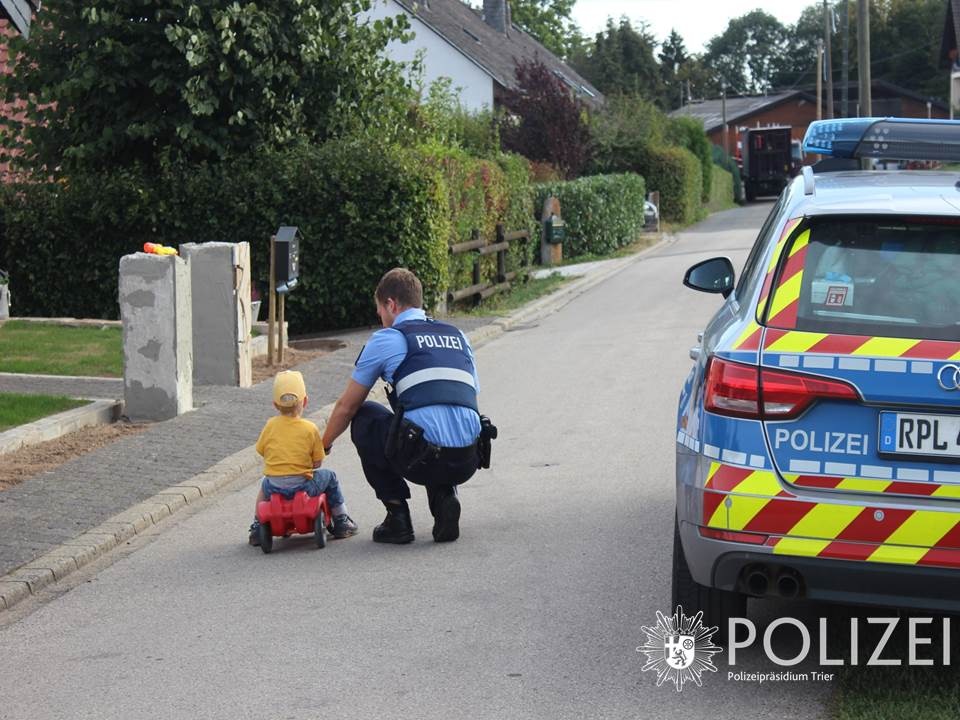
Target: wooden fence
column 478, row 245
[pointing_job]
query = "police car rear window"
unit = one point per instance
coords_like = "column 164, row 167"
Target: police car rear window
column 871, row 277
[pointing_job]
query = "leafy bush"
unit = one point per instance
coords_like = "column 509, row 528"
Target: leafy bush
column 721, row 190
column 480, row 195
column 362, row 209
column 602, row 212
column 626, row 128
column 687, row 132
column 676, row 173
column 547, row 123
column 730, row 165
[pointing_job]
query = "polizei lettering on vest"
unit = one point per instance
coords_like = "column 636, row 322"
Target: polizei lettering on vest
column 439, row 341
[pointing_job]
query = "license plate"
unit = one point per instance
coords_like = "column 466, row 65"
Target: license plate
column 913, row 434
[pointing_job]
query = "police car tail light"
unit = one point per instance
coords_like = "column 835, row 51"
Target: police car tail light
column 787, row 395
column 746, row 391
column 732, row 389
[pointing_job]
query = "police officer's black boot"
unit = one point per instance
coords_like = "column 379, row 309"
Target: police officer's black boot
column 445, row 506
column 396, row 528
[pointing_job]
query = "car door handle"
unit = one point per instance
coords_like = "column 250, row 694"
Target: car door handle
column 695, row 353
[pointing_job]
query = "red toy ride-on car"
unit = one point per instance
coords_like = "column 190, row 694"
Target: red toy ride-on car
column 302, row 515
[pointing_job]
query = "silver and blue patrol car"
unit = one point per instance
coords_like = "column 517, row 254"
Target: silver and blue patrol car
column 818, row 433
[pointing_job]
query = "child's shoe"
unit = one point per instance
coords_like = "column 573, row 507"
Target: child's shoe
column 255, row 534
column 343, row 527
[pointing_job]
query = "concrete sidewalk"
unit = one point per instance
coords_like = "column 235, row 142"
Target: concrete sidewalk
column 52, row 509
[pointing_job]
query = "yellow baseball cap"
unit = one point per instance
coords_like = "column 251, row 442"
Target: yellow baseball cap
column 289, row 382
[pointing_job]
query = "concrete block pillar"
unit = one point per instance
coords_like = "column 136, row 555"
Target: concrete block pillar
column 155, row 308
column 220, row 275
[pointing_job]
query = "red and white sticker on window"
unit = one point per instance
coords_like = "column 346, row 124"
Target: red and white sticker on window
column 837, row 295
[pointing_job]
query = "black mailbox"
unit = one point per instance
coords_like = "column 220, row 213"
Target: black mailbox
column 554, row 229
column 287, row 258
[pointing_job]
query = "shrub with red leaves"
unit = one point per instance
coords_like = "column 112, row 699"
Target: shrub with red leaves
column 545, row 122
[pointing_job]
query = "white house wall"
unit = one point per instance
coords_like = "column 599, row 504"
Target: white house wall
column 441, row 59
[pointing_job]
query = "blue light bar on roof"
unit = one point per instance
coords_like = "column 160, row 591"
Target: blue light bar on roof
column 885, row 138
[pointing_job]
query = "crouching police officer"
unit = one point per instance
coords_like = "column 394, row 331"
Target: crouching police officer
column 435, row 437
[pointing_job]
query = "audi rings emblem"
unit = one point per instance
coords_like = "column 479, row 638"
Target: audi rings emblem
column 949, row 377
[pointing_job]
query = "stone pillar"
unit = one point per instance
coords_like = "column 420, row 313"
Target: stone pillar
column 220, row 274
column 157, row 336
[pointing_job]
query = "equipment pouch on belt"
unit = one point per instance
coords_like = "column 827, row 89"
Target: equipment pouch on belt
column 406, row 445
column 488, row 432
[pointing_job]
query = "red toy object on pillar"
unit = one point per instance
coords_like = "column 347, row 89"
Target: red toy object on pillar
column 302, row 515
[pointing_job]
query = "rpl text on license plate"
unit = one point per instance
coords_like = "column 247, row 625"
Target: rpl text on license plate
column 913, row 434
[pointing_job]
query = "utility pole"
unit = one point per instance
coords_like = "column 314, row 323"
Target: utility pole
column 827, row 32
column 845, row 77
column 819, row 79
column 863, row 57
column 723, row 112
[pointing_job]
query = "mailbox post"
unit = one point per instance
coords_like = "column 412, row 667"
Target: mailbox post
column 554, row 233
column 284, row 277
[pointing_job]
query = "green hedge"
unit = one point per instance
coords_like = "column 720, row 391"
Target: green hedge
column 602, row 212
column 730, row 165
column 480, row 195
column 721, row 190
column 362, row 209
column 687, row 132
column 676, row 173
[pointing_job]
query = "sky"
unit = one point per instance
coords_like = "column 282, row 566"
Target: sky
column 696, row 20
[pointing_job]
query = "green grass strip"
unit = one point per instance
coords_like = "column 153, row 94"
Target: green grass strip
column 27, row 347
column 16, row 409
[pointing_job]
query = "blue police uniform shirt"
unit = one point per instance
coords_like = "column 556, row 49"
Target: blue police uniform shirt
column 443, row 425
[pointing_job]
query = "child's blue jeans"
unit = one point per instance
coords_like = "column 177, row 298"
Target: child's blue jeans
column 323, row 481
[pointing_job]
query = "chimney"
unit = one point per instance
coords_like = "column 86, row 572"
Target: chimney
column 496, row 13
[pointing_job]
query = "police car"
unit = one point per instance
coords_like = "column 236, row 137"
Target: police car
column 818, row 433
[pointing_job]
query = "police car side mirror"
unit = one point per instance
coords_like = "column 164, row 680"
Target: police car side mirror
column 715, row 275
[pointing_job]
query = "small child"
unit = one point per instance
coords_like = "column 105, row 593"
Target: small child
column 292, row 451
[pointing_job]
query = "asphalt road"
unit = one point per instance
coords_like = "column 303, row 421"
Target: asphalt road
column 535, row 613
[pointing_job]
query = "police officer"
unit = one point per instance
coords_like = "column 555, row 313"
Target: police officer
column 431, row 438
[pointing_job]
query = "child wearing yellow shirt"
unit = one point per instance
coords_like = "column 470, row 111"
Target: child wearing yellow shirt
column 292, row 451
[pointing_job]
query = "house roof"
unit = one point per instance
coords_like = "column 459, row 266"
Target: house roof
column 496, row 53
column 739, row 108
column 711, row 111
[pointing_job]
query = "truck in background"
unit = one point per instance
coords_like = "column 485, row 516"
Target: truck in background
column 767, row 160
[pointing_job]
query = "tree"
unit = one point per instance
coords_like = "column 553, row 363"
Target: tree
column 117, row 82
column 621, row 61
column 750, row 53
column 549, row 22
column 546, row 123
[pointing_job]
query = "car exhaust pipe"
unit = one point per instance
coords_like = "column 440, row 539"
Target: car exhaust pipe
column 757, row 581
column 788, row 584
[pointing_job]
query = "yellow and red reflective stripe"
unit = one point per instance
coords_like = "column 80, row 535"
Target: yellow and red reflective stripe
column 772, row 266
column 754, row 501
column 796, row 341
column 786, row 298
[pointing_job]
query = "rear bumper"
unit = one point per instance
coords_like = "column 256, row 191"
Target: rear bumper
column 726, row 565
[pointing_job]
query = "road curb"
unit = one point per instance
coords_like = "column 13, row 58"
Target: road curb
column 97, row 412
column 30, row 579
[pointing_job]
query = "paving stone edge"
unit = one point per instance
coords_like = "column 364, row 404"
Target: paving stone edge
column 34, row 576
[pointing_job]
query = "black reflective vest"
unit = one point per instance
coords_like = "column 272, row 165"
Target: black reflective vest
column 437, row 370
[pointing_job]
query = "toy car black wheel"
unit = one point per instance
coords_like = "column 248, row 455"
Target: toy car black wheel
column 266, row 538
column 320, row 531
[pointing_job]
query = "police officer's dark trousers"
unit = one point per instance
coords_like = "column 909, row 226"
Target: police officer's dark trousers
column 369, row 432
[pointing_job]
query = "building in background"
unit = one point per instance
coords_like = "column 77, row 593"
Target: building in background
column 478, row 50
column 798, row 108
